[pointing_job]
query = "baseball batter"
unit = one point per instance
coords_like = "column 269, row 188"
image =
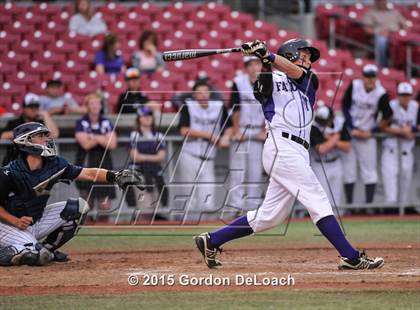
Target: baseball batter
column 30, row 230
column 364, row 99
column 329, row 138
column 397, row 150
column 248, row 135
column 287, row 97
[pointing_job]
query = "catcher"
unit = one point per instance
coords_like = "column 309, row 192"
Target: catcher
column 30, row 230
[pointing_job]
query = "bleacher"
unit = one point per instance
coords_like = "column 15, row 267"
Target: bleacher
column 35, row 46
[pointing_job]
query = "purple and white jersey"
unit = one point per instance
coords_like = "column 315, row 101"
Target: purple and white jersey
column 290, row 107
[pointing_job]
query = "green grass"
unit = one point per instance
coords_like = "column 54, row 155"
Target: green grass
column 297, row 233
column 282, row 299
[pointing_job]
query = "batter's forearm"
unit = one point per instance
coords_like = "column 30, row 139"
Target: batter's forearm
column 286, row 66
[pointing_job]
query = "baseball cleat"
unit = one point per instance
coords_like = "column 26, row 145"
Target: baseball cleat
column 208, row 251
column 363, row 262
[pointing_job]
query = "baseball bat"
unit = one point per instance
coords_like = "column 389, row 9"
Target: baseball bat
column 196, row 53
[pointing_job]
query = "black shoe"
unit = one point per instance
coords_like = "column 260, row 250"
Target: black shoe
column 208, row 251
column 363, row 262
column 61, row 257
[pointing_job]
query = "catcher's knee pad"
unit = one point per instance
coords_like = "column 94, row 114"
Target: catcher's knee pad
column 75, row 209
column 74, row 213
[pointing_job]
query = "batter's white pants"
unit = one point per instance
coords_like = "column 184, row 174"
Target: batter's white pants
column 291, row 178
column 197, row 178
column 245, row 175
column 363, row 151
column 396, row 166
column 331, row 180
column 26, row 239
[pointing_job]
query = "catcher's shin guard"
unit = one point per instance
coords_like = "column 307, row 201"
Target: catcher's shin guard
column 74, row 213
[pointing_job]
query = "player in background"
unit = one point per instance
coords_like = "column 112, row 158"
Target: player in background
column 287, row 97
column 248, row 135
column 30, row 230
column 206, row 126
column 397, row 149
column 363, row 100
column 30, row 113
column 329, row 138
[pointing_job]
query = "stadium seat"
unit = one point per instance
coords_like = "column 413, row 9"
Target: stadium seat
column 147, row 9
column 39, row 37
column 182, row 9
column 46, row 9
column 9, row 89
column 218, row 9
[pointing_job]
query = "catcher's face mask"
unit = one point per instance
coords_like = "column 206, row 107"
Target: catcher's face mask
column 37, row 142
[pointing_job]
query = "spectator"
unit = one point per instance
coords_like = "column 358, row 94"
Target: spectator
column 179, row 99
column 54, row 102
column 205, row 125
column 147, row 59
column 130, row 100
column 381, row 22
column 397, row 150
column 329, row 138
column 108, row 59
column 363, row 100
column 146, row 157
column 30, row 113
column 96, row 138
column 85, row 21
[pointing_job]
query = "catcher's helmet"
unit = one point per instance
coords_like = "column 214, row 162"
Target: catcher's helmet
column 22, row 138
column 290, row 49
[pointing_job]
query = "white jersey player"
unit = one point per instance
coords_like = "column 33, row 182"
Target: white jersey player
column 248, row 135
column 364, row 99
column 329, row 138
column 206, row 126
column 287, row 97
column 397, row 150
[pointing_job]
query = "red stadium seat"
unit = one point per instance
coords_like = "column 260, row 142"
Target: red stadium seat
column 57, row 60
column 193, row 28
column 73, row 67
column 244, row 19
column 220, row 10
column 140, row 20
column 21, row 78
column 182, row 9
column 7, row 68
column 167, row 17
column 46, row 9
column 12, row 9
column 56, row 26
column 35, row 20
column 161, row 29
column 204, row 17
column 113, row 9
column 37, row 68
column 147, row 9
column 9, row 89
column 62, row 47
column 18, row 59
column 39, row 37
column 20, row 28
column 32, row 48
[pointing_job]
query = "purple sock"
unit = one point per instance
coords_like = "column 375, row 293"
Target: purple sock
column 237, row 229
column 331, row 230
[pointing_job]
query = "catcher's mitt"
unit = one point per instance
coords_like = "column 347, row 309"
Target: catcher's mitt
column 127, row 177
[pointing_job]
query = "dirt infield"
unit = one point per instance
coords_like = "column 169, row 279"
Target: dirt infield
column 310, row 267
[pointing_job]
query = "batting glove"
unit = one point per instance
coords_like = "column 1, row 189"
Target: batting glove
column 259, row 49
